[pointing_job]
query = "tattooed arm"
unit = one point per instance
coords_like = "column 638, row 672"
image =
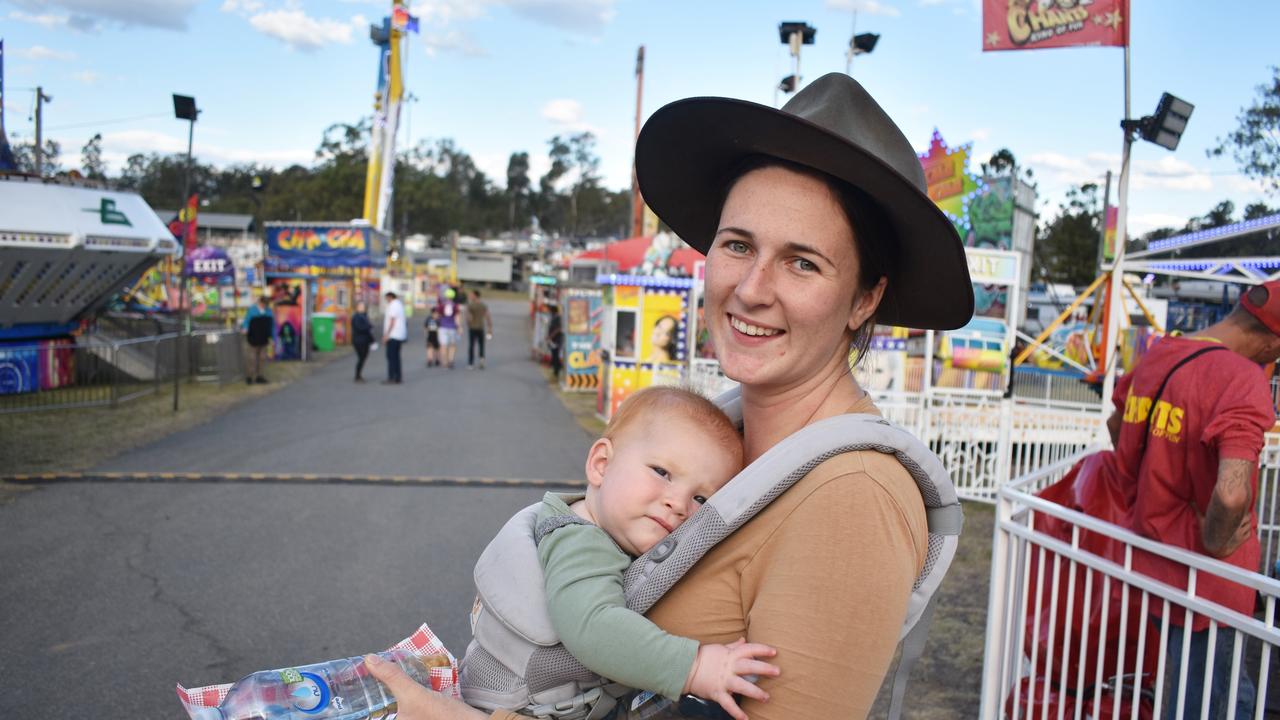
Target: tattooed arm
column 1227, row 522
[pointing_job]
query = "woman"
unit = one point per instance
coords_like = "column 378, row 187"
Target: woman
column 815, row 223
column 361, row 337
column 662, row 342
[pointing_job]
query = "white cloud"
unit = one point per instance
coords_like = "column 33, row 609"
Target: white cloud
column 980, row 134
column 1143, row 223
column 870, row 7
column 88, row 15
column 452, row 41
column 48, row 20
column 582, row 16
column 118, row 146
column 443, row 12
column 563, row 112
column 88, row 77
column 300, row 31
column 241, row 6
column 40, row 52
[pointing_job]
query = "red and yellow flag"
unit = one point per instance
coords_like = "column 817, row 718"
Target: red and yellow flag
column 1035, row 24
column 183, row 226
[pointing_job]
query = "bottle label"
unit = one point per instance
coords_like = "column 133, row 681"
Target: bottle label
column 290, row 676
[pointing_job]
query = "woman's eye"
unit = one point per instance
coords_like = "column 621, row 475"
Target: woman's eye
column 806, row 265
column 736, row 246
column 700, row 499
column 661, row 471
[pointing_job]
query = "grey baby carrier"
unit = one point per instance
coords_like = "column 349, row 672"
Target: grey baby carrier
column 515, row 660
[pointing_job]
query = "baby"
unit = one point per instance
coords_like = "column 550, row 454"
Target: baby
column 662, row 455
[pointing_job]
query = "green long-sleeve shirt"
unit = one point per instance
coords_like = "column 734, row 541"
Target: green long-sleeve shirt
column 583, row 569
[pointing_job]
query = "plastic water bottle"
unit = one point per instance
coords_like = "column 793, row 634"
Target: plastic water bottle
column 339, row 689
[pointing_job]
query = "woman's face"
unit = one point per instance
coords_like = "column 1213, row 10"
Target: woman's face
column 663, row 332
column 782, row 279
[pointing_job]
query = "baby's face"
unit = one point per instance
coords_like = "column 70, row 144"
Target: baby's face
column 660, row 472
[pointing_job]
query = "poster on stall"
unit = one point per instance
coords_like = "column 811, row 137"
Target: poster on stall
column 584, row 316
column 624, row 379
column 288, row 297
column 334, row 296
column 662, row 335
column 19, row 369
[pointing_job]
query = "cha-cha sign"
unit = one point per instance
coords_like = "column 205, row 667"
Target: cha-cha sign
column 326, row 245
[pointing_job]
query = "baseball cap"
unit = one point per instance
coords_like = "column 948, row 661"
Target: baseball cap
column 1263, row 302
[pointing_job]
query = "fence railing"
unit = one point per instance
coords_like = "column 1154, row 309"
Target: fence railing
column 103, row 372
column 1075, row 630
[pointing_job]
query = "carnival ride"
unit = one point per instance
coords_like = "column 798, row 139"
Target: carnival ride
column 1079, row 342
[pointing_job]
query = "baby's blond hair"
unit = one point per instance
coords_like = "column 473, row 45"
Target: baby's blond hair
column 669, row 399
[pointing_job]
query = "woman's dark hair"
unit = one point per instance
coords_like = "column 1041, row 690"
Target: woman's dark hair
column 871, row 230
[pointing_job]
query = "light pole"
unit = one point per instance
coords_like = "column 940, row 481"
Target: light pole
column 795, row 34
column 858, row 45
column 41, row 99
column 184, row 108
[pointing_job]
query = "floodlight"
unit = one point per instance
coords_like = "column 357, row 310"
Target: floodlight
column 184, row 107
column 788, row 84
column 863, row 43
column 787, row 29
column 1166, row 126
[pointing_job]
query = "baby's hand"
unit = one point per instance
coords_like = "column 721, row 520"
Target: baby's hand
column 720, row 671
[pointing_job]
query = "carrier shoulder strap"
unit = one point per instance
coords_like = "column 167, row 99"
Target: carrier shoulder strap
column 655, row 572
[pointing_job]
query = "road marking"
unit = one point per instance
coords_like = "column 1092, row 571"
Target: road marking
column 306, row 478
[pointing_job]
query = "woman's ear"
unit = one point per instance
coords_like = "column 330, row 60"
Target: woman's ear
column 865, row 304
column 597, row 460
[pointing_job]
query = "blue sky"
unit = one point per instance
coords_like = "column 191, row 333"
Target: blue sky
column 500, row 76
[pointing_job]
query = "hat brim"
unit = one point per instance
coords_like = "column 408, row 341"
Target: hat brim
column 686, row 149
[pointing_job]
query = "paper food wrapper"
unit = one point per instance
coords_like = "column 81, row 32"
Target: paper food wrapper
column 199, row 700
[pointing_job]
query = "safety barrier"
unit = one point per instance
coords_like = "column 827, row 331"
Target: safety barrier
column 105, row 372
column 1073, row 630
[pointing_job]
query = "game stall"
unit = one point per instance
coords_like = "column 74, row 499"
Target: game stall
column 316, row 273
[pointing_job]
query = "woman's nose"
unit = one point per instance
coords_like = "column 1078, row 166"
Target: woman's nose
column 756, row 286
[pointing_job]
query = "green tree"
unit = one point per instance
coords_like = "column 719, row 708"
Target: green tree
column 24, row 153
column 1066, row 249
column 91, row 159
column 1255, row 143
column 517, row 184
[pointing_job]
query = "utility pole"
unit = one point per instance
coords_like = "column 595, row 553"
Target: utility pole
column 41, row 98
column 637, row 202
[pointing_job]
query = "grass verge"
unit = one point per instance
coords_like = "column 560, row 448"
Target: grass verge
column 78, row 439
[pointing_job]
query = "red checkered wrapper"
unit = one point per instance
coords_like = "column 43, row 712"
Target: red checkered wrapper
column 201, row 700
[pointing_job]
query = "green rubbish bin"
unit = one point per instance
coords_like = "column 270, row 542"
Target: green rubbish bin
column 322, row 331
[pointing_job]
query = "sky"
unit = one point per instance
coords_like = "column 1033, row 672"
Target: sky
column 503, row 76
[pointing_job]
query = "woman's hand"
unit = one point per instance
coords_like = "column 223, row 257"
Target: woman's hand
column 415, row 702
column 720, row 671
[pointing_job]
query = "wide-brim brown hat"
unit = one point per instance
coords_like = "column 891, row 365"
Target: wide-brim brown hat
column 687, row 148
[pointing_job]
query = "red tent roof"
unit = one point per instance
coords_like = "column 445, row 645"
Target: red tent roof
column 629, row 254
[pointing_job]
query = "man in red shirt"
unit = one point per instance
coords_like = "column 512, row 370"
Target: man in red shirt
column 1188, row 429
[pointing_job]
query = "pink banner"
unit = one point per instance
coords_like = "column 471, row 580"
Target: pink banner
column 1035, row 24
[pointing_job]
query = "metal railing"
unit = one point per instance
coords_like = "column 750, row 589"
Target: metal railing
column 97, row 372
column 1075, row 630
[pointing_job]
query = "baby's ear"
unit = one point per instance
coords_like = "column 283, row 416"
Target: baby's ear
column 597, row 460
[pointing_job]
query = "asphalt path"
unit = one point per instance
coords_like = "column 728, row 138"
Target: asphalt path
column 112, row 593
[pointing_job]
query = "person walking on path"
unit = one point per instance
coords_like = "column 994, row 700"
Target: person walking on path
column 1188, row 427
column 394, row 333
column 555, row 340
column 448, row 325
column 361, row 337
column 432, row 324
column 259, row 330
column 479, row 326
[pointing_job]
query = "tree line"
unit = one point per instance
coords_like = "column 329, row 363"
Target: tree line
column 437, row 188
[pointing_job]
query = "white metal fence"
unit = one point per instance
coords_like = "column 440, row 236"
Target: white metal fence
column 1073, row 631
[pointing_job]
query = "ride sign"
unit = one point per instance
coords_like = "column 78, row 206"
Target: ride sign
column 326, row 245
column 209, row 264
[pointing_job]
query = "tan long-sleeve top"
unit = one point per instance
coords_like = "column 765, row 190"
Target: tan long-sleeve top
column 823, row 574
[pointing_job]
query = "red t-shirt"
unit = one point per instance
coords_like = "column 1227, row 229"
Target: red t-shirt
column 1215, row 406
